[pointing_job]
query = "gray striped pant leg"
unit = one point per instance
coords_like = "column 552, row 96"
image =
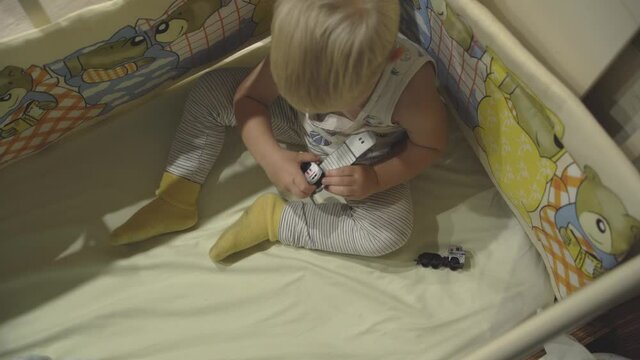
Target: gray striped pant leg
column 374, row 226
column 208, row 111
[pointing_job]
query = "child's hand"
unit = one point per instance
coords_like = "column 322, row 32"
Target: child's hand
column 283, row 169
column 352, row 182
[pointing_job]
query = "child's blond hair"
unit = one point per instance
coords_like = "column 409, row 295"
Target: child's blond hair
column 327, row 54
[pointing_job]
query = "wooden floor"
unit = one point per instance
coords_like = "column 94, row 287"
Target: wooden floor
column 616, row 331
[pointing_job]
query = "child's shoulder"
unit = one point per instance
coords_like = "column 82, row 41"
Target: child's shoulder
column 420, row 110
column 418, row 96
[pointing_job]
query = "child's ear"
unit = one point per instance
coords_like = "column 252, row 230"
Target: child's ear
column 396, row 53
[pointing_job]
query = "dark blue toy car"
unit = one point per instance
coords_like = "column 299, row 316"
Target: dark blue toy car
column 454, row 259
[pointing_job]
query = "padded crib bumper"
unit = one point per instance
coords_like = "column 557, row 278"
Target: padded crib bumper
column 572, row 189
column 574, row 192
column 76, row 71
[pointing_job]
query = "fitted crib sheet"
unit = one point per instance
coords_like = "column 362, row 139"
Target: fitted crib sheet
column 65, row 293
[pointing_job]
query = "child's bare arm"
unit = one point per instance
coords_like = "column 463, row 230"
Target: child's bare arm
column 251, row 109
column 421, row 112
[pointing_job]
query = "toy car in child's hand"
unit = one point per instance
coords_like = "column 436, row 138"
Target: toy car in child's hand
column 454, row 259
column 313, row 173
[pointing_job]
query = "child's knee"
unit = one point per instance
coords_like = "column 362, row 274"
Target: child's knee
column 214, row 85
column 212, row 96
column 382, row 243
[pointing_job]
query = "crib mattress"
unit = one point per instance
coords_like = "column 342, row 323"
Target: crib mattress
column 66, row 294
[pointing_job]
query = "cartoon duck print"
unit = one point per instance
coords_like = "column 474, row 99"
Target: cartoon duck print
column 514, row 160
column 198, row 30
column 191, row 16
column 584, row 229
column 456, row 28
column 451, row 43
column 137, row 58
column 113, row 72
column 21, row 106
column 262, row 16
column 186, row 18
column 110, row 60
column 38, row 112
column 596, row 229
column 541, row 124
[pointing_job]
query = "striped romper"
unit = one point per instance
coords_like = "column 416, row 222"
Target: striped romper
column 373, row 226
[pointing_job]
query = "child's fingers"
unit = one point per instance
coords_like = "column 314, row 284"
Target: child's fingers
column 298, row 193
column 338, row 181
column 344, row 191
column 303, row 186
column 343, row 171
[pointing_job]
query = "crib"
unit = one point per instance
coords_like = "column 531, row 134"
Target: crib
column 534, row 269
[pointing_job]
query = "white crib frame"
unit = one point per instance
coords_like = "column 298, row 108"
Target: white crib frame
column 613, row 288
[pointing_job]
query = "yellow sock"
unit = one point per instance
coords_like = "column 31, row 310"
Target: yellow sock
column 173, row 209
column 259, row 222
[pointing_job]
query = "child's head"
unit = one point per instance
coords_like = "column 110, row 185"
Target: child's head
column 327, row 55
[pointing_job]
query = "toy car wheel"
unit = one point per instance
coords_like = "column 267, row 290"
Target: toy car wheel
column 429, row 260
column 454, row 264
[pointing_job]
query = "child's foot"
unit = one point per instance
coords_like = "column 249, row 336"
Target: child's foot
column 156, row 218
column 259, row 222
column 174, row 209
